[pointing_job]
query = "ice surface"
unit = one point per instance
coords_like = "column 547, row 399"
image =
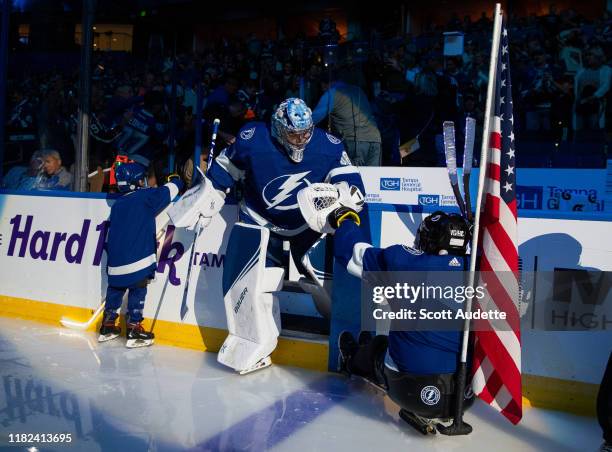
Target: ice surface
column 164, row 399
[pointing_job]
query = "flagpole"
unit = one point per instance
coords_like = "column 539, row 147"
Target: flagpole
column 458, row 427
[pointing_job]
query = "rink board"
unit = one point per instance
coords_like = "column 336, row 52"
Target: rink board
column 53, row 266
column 70, row 280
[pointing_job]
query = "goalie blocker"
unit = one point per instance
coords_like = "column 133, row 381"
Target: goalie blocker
column 199, row 203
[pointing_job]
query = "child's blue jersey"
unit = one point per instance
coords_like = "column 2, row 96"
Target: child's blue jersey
column 272, row 180
column 131, row 236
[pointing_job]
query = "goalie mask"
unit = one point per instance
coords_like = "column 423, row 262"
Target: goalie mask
column 441, row 231
column 292, row 127
column 129, row 175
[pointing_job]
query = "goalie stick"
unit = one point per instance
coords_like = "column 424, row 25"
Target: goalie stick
column 199, row 226
column 450, row 153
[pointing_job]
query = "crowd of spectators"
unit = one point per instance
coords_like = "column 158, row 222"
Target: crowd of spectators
column 405, row 86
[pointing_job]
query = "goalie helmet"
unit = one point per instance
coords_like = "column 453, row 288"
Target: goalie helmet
column 441, row 231
column 292, row 127
column 129, row 175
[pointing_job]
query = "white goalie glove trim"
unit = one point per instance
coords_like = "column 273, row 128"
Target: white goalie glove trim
column 350, row 196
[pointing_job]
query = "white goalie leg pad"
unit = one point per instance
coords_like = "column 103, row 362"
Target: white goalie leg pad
column 252, row 311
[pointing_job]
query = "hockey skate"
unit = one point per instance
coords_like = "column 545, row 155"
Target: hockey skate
column 137, row 336
column 421, row 424
column 347, row 347
column 261, row 364
column 365, row 337
column 109, row 329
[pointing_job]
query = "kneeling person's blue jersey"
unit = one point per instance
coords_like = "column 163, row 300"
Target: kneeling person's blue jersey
column 272, row 180
column 131, row 238
column 416, row 352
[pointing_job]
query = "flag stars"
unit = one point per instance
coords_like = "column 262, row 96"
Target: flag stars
column 511, row 136
column 504, row 50
column 504, row 67
column 507, row 187
column 509, row 170
column 501, row 99
column 510, row 153
column 503, row 82
column 505, row 33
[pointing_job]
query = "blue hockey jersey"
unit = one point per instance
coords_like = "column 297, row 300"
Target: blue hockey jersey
column 272, row 180
column 417, row 352
column 131, row 237
column 140, row 136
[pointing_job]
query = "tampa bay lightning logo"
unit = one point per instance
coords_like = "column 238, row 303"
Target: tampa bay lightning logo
column 333, row 139
column 430, row 395
column 247, row 134
column 281, row 192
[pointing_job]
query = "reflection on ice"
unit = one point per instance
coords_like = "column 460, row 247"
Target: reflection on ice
column 162, row 398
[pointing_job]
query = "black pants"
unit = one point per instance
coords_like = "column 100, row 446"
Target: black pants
column 604, row 403
column 369, row 359
column 409, row 391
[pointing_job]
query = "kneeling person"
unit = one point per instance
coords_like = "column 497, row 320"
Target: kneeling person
column 416, row 368
column 131, row 246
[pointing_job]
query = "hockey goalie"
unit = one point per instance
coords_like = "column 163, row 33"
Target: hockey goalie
column 274, row 163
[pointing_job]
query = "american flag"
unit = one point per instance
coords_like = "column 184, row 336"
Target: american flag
column 497, row 350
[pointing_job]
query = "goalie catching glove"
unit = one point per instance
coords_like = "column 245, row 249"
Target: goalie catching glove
column 325, row 206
